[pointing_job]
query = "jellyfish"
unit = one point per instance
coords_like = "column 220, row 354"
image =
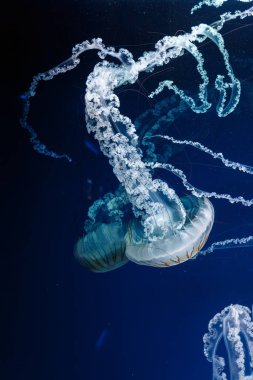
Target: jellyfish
column 235, row 326
column 145, row 221
column 103, row 246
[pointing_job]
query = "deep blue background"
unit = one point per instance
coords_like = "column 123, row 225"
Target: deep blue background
column 52, row 310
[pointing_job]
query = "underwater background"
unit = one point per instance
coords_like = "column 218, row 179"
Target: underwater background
column 58, row 320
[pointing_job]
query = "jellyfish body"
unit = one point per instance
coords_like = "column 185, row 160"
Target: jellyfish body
column 178, row 245
column 103, row 246
column 108, row 246
column 234, row 325
column 103, row 249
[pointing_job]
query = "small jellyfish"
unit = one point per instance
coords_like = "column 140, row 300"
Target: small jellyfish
column 103, row 247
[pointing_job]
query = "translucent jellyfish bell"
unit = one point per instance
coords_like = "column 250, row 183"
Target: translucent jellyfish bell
column 103, row 246
column 102, row 249
column 178, row 245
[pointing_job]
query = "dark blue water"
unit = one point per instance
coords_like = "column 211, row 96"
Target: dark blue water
column 58, row 320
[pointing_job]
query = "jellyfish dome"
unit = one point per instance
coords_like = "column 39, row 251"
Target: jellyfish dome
column 103, row 247
column 145, row 221
column 177, row 245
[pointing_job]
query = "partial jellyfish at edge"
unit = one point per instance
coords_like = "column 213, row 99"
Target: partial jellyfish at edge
column 233, row 325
